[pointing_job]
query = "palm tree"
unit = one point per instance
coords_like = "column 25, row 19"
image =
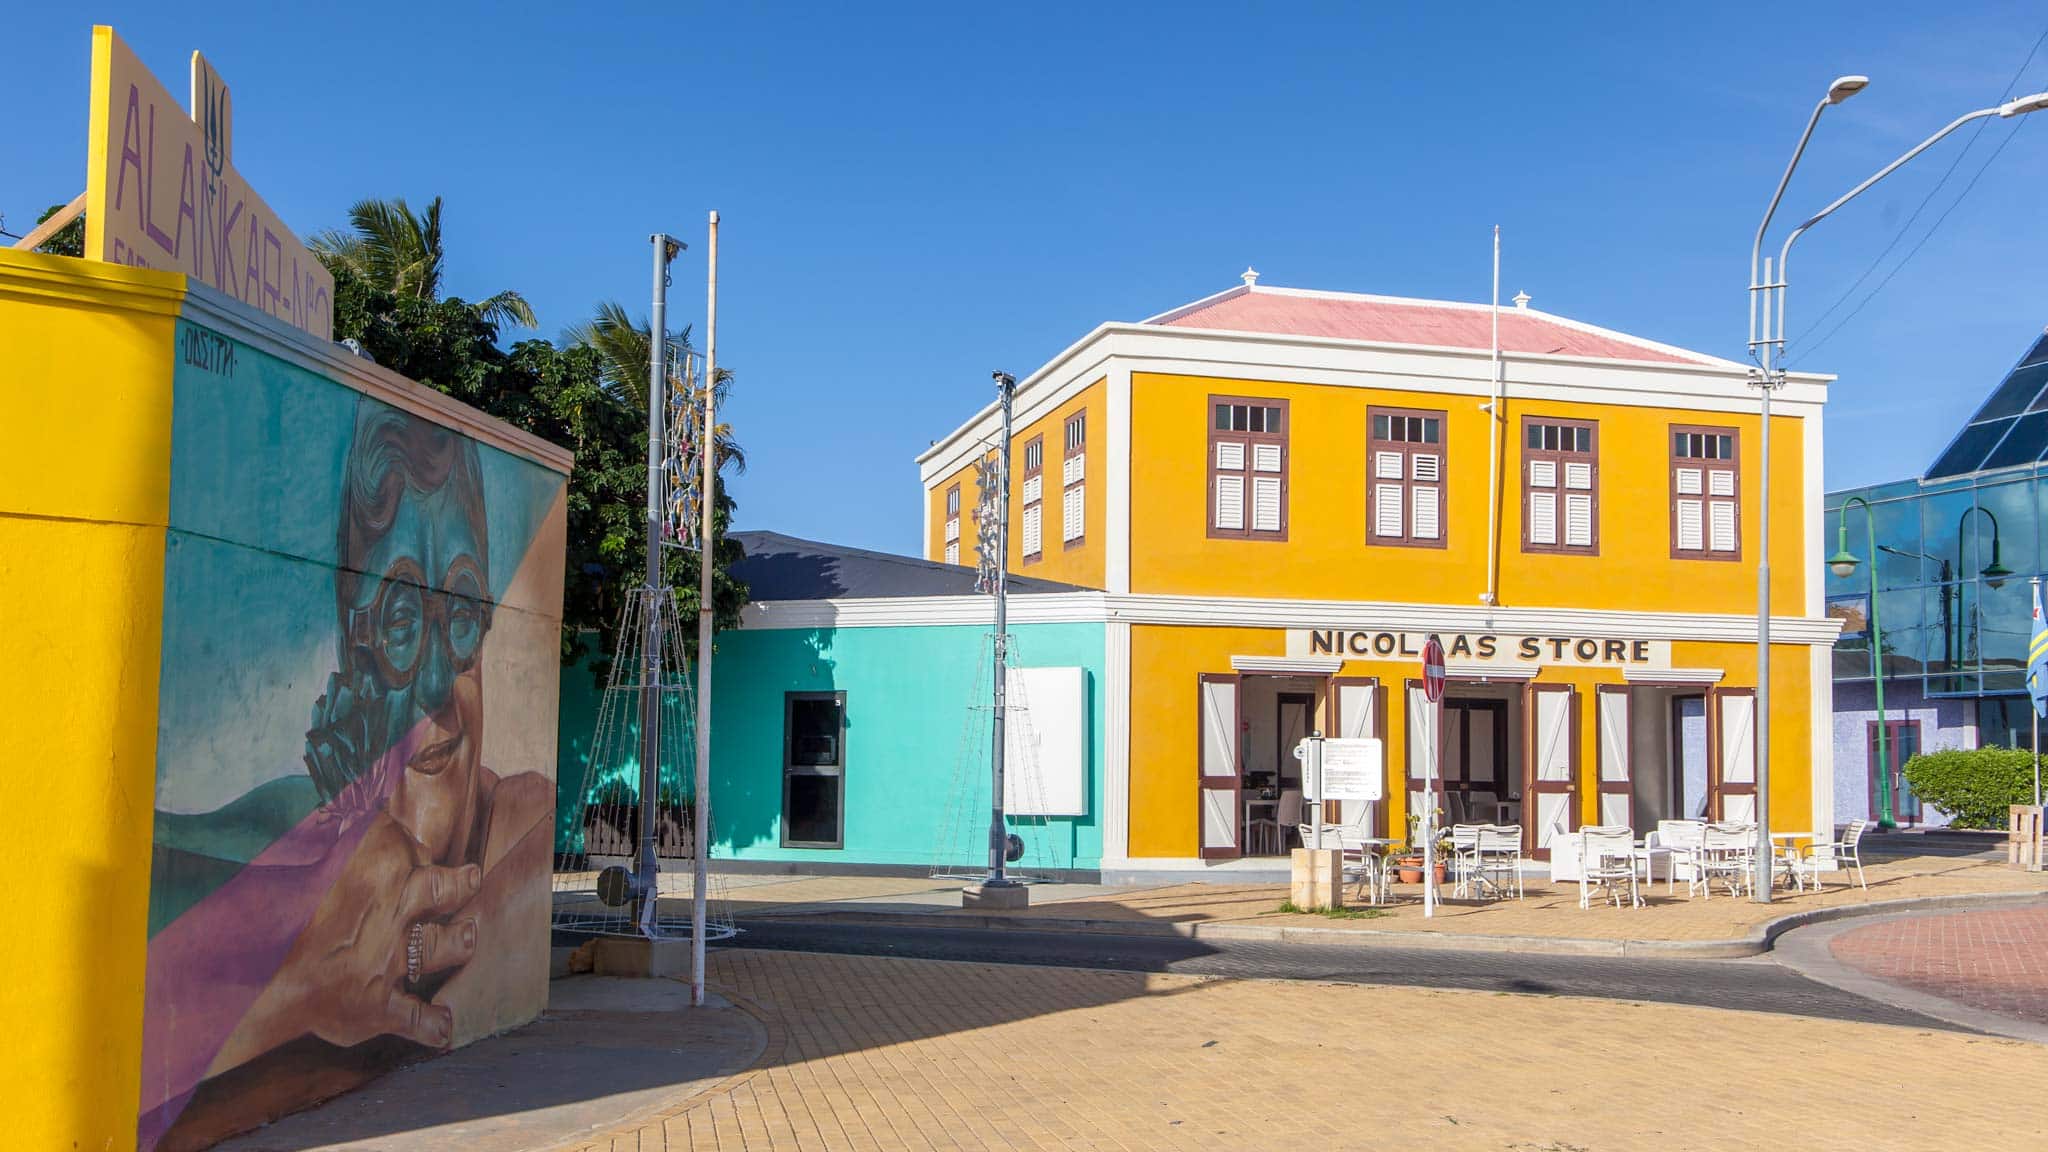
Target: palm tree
column 624, row 346
column 389, row 246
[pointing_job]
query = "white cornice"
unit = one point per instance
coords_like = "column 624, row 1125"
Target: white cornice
column 1363, row 364
column 264, row 333
column 1306, row 665
column 1674, row 675
column 1238, row 612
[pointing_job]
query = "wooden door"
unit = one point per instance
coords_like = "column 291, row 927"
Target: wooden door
column 1357, row 718
column 1219, row 827
column 1616, row 780
column 1733, row 783
column 1550, row 790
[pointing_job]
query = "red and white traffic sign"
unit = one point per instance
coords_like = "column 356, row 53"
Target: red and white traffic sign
column 1433, row 670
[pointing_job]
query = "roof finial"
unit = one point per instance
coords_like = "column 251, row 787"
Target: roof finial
column 1522, row 300
column 1251, row 276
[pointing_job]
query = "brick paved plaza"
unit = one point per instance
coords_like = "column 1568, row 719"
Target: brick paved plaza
column 1995, row 960
column 869, row 1053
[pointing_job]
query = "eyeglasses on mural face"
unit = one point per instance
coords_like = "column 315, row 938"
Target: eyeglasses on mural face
column 406, row 615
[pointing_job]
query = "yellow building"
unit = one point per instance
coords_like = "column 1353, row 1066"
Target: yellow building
column 1281, row 494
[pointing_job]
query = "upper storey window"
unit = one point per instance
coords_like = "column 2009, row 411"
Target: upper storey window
column 1706, row 493
column 1405, row 477
column 1560, row 485
column 1073, row 507
column 1247, row 468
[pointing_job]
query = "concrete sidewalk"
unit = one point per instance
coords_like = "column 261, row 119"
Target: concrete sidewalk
column 1548, row 919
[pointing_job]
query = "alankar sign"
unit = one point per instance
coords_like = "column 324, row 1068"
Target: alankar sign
column 1490, row 648
column 162, row 192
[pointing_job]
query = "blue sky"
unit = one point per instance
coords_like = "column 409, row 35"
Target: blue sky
column 915, row 195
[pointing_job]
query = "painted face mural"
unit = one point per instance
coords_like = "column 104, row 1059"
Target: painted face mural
column 383, row 906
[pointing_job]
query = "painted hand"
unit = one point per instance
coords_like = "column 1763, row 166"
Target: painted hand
column 345, row 978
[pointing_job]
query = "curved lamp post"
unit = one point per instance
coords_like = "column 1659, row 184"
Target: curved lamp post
column 1769, row 377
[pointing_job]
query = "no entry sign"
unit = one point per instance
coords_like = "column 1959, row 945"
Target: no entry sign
column 1433, row 669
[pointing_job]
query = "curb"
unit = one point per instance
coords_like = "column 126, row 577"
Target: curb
column 1755, row 943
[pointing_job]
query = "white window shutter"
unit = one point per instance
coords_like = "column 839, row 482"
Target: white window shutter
column 1071, row 472
column 1386, row 510
column 1738, row 739
column 952, row 551
column 1425, row 523
column 1230, row 502
column 1428, row 469
column 1265, row 504
column 1071, row 515
column 1386, row 465
column 1578, row 475
column 953, row 529
column 1690, row 530
column 1688, row 481
column 1542, row 473
column 1032, row 535
column 1265, row 457
column 1721, row 525
column 1230, row 455
column 1720, row 482
column 1032, row 488
column 1578, row 520
column 1542, row 518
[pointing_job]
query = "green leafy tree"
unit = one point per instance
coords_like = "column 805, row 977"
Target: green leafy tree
column 391, row 247
column 69, row 240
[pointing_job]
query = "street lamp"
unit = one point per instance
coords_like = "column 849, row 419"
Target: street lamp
column 1843, row 563
column 1768, row 379
column 1842, row 88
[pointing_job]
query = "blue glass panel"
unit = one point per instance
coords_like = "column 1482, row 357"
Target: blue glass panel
column 2023, row 444
column 2020, row 391
column 1968, row 452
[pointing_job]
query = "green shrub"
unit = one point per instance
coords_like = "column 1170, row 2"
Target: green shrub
column 1974, row 786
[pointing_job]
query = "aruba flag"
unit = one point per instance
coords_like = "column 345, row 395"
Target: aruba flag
column 2037, row 658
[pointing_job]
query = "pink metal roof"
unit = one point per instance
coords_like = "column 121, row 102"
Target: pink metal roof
column 1392, row 321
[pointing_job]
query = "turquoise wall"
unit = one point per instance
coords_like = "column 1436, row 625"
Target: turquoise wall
column 909, row 692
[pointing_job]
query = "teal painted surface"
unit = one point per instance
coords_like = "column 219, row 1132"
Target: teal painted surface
column 909, row 691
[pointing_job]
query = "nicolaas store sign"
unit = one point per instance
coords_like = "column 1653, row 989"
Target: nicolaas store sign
column 1504, row 649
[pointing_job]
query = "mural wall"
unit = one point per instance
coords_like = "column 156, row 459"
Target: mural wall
column 355, row 743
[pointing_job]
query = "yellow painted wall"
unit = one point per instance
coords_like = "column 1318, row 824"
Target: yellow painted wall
column 1081, row 563
column 1166, row 662
column 85, row 426
column 1326, row 555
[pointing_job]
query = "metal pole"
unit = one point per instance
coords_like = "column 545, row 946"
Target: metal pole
column 646, row 880
column 2034, row 706
column 707, row 563
column 1315, row 769
column 998, row 841
column 1884, row 757
column 1429, row 766
column 1761, row 884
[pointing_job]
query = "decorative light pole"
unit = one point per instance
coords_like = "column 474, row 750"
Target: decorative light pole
column 1768, row 349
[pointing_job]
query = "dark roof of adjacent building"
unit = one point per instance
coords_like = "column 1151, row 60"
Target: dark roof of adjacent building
column 781, row 567
column 2011, row 427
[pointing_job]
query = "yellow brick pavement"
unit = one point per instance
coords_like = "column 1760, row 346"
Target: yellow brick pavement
column 877, row 1053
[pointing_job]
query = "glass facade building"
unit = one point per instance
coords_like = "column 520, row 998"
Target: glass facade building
column 1954, row 553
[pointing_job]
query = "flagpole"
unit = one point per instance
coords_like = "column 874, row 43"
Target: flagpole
column 2033, row 676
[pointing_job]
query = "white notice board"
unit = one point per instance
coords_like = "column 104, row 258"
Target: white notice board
column 1045, row 742
column 1352, row 770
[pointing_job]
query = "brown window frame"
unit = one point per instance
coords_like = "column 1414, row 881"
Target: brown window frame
column 1408, row 449
column 1734, row 461
column 1034, row 466
column 1075, row 436
column 952, row 514
column 1250, row 440
column 1560, row 457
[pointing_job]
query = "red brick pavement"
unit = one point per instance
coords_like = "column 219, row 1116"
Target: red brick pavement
column 1994, row 960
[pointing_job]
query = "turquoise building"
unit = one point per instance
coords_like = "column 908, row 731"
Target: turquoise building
column 851, row 708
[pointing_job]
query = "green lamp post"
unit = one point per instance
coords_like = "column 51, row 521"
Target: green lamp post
column 1843, row 563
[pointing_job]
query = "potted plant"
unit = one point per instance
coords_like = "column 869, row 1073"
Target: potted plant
column 1408, row 865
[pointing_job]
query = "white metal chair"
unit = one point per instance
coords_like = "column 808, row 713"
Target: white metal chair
column 1464, row 861
column 1679, row 840
column 1500, row 858
column 1845, row 852
column 1265, row 837
column 1608, row 860
column 1727, row 854
column 1361, row 863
